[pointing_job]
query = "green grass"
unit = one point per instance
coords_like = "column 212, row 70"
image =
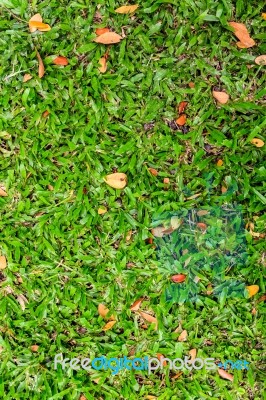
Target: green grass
column 64, row 257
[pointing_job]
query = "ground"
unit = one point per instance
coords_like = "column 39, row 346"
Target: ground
column 60, row 135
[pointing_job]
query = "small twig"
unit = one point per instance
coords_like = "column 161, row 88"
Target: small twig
column 14, row 15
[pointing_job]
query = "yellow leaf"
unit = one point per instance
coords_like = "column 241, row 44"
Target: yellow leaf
column 252, row 290
column 109, row 325
column 219, row 163
column 128, row 235
column 39, row 25
column 242, row 34
column 225, row 374
column 102, row 210
column 2, row 193
column 149, row 318
column 261, row 60
column 26, row 78
column 221, row 97
column 257, row 142
column 108, row 38
column 117, row 180
column 127, row 9
column 36, row 18
column 2, row 262
column 183, row 336
column 103, row 65
column 263, row 15
column 41, row 66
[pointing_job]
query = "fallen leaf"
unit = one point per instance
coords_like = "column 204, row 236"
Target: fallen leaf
column 193, row 354
column 149, row 318
column 182, row 106
column 127, row 9
column 191, row 85
column 159, row 231
column 257, row 142
column 103, row 311
column 224, row 189
column 194, row 196
column 178, row 278
column 183, row 336
column 82, row 397
column 108, row 38
column 179, row 328
column 166, row 181
column 45, row 114
column 175, row 222
column 253, row 311
column 60, row 60
column 242, row 34
column 128, row 236
column 176, row 376
column 39, row 25
column 136, row 305
column 221, row 97
column 200, row 213
column 117, row 180
column 252, row 290
column 261, row 60
column 219, row 163
column 26, row 78
column 150, row 397
column 262, row 298
column 22, row 301
column 159, row 356
column 36, row 17
column 50, row 187
column 2, row 262
column 34, row 348
column 101, row 31
column 181, row 120
column 103, row 65
column 109, row 325
column 41, row 66
column 102, row 210
column 225, row 374
column 202, row 226
column 153, row 171
column 3, row 193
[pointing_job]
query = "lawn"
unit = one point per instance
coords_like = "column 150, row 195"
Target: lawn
column 185, row 234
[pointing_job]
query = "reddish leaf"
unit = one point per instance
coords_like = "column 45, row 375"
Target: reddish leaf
column 45, row 113
column 182, row 106
column 153, row 171
column 60, row 60
column 202, row 226
column 181, row 120
column 159, row 356
column 178, row 278
column 221, row 97
column 149, row 318
column 136, row 305
column 101, row 31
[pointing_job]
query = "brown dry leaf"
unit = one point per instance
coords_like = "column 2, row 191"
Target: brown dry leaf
column 183, row 336
column 41, row 66
column 26, row 78
column 34, row 348
column 200, row 213
column 202, row 226
column 194, row 196
column 22, row 301
column 176, row 376
column 103, row 311
column 136, row 305
column 3, row 193
column 257, row 142
column 127, row 9
column 102, row 210
column 159, row 356
column 179, row 278
column 191, row 85
column 193, row 354
column 117, row 180
column 149, row 318
column 108, row 38
column 50, row 187
column 109, row 325
column 219, row 163
column 242, row 34
column 101, row 31
column 103, row 65
column 252, row 290
column 39, row 25
column 37, row 18
column 253, row 311
column 221, row 97
column 225, row 374
column 159, row 231
column 224, row 189
column 182, row 106
column 60, row 60
column 153, row 171
column 181, row 120
column 2, row 262
column 45, row 114
column 262, row 298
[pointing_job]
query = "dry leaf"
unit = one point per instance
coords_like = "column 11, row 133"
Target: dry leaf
column 149, row 318
column 36, row 17
column 253, row 311
column 257, row 142
column 193, row 197
column 178, row 278
column 136, row 305
column 175, row 222
column 41, row 66
column 252, row 290
column 60, row 60
column 219, row 163
column 39, row 25
column 242, row 34
column 159, row 231
column 225, row 374
column 22, row 301
column 117, row 180
column 127, row 9
column 2, row 193
column 176, row 376
column 182, row 106
column 191, row 85
column 108, row 38
column 261, row 60
column 183, row 336
column 193, row 354
column 209, row 289
column 159, row 356
column 221, row 97
column 263, row 15
column 82, row 397
column 102, row 210
column 109, row 325
column 128, row 236
column 181, row 120
column 166, row 181
column 224, row 189
column 103, row 65
column 150, row 397
column 200, row 213
column 45, row 114
column 103, row 311
column 179, row 328
column 50, row 187
column 202, row 226
column 26, row 78
column 101, row 31
column 2, row 262
column 153, row 171
column 262, row 298
column 34, row 348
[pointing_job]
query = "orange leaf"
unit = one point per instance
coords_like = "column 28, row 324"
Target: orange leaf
column 127, row 9
column 26, row 78
column 181, row 120
column 41, row 66
column 136, row 305
column 202, row 226
column 108, row 38
column 2, row 262
column 221, row 97
column 182, row 106
column 261, row 60
column 149, row 318
column 176, row 376
column 219, row 163
column 183, row 336
column 118, row 180
column 34, row 348
column 153, row 171
column 257, row 142
column 36, row 17
column 225, row 374
column 193, row 354
column 103, row 311
column 262, row 298
column 40, row 26
column 166, row 181
column 252, row 290
column 263, row 15
column 159, row 356
column 103, row 64
column 3, row 193
column 191, row 85
column 45, row 113
column 242, row 34
column 109, row 325
column 224, row 189
column 178, row 278
column 60, row 60
column 102, row 210
column 101, row 31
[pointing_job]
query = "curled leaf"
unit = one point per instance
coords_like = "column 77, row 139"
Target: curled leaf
column 136, row 305
column 257, row 142
column 221, row 97
column 36, row 18
column 183, row 336
column 127, row 9
column 2, row 262
column 117, row 180
column 60, row 60
column 26, row 78
column 178, row 278
column 181, row 120
column 108, row 38
column 109, row 325
column 103, row 65
column 182, row 106
column 242, row 34
column 41, row 66
column 225, row 374
column 252, row 290
column 39, row 25
column 101, row 31
column 261, row 60
column 149, row 318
